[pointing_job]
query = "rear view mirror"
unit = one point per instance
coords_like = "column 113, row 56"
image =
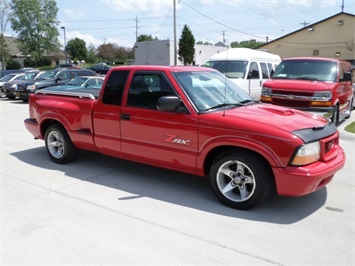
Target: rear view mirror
column 347, row 77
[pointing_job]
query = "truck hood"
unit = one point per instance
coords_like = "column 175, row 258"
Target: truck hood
column 296, row 84
column 277, row 117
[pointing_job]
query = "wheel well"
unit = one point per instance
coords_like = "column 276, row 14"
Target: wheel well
column 219, row 150
column 46, row 124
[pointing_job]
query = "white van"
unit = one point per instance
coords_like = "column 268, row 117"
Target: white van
column 246, row 67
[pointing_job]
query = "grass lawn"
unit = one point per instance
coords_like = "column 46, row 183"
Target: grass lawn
column 350, row 128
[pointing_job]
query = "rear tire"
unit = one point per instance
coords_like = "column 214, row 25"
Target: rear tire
column 59, row 145
column 240, row 179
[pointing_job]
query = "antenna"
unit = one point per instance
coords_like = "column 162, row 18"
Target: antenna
column 342, row 7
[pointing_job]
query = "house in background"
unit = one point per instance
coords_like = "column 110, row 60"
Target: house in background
column 56, row 58
column 332, row 37
column 161, row 52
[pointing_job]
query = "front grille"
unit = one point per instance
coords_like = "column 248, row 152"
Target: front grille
column 328, row 147
column 20, row 88
column 290, row 103
column 298, row 93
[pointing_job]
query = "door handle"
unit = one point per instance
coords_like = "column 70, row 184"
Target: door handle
column 125, row 116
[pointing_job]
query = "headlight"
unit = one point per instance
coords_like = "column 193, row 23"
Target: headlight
column 14, row 86
column 307, row 154
column 326, row 95
column 266, row 90
column 31, row 87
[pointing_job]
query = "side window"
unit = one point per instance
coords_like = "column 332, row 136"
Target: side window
column 264, row 70
column 147, row 88
column 114, row 87
column 253, row 71
column 63, row 75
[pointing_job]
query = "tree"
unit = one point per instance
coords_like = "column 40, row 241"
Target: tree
column 91, row 58
column 247, row 44
column 204, row 43
column 4, row 19
column 106, row 52
column 77, row 49
column 36, row 23
column 186, row 46
column 146, row 38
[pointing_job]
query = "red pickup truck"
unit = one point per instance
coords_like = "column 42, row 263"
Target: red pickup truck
column 194, row 120
column 316, row 84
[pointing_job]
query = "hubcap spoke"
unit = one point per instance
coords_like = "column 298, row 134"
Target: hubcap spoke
column 228, row 188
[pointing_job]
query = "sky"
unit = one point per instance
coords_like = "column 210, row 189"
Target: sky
column 120, row 21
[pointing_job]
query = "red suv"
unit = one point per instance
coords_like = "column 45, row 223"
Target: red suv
column 321, row 85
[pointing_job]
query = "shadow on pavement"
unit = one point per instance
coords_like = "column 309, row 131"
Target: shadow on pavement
column 172, row 187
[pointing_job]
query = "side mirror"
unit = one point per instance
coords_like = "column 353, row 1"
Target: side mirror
column 347, row 77
column 169, row 104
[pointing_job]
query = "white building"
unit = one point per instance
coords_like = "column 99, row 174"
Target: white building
column 161, row 52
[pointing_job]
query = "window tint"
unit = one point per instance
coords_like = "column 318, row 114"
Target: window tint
column 253, row 71
column 147, row 88
column 264, row 70
column 114, row 87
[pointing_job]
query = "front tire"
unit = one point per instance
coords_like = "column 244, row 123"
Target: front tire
column 240, row 179
column 335, row 117
column 59, row 145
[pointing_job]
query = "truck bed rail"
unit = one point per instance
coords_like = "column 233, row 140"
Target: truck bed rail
column 80, row 95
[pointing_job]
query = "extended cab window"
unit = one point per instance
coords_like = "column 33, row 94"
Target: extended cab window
column 114, row 87
column 147, row 88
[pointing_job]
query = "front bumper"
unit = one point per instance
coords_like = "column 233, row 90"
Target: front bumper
column 298, row 181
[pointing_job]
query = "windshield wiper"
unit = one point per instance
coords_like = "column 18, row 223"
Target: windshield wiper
column 223, row 105
column 307, row 78
column 247, row 102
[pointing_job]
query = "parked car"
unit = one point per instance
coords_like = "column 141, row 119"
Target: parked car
column 51, row 78
column 8, row 88
column 89, row 82
column 67, row 66
column 7, row 78
column 103, row 69
column 315, row 84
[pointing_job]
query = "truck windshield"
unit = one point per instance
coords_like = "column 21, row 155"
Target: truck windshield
column 232, row 69
column 316, row 70
column 211, row 90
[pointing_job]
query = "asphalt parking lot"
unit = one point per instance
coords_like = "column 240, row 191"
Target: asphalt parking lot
column 104, row 211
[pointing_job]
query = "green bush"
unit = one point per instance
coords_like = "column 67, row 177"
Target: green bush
column 28, row 62
column 12, row 64
column 44, row 61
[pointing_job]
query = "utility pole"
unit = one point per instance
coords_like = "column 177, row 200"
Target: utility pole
column 136, row 20
column 224, row 37
column 175, row 42
column 342, row 7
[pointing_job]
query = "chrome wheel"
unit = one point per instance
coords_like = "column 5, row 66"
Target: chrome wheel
column 241, row 179
column 59, row 146
column 236, row 181
column 55, row 144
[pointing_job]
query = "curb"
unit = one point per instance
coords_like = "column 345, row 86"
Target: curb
column 346, row 135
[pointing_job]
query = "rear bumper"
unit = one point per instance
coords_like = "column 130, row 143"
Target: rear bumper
column 33, row 127
column 298, row 181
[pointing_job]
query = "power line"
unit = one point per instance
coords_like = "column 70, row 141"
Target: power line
column 220, row 22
